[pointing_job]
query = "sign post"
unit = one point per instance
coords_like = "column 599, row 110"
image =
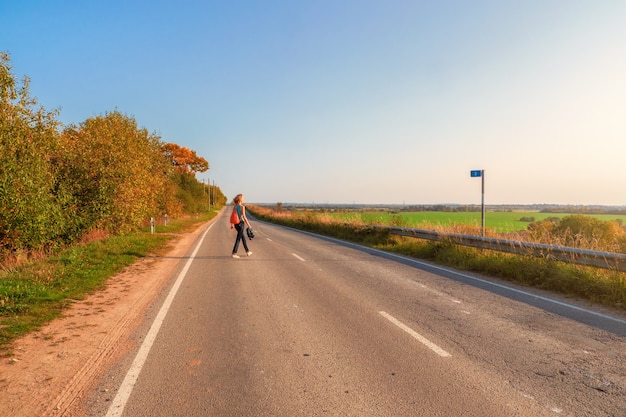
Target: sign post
column 475, row 174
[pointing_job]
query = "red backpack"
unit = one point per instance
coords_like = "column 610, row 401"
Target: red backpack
column 234, row 216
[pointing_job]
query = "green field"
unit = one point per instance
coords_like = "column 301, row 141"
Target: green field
column 499, row 221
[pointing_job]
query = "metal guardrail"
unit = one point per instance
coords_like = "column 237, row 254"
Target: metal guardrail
column 607, row 260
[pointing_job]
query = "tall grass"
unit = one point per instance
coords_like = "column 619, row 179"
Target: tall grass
column 594, row 284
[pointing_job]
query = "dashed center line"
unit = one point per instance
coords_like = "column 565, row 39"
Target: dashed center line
column 439, row 351
column 297, row 257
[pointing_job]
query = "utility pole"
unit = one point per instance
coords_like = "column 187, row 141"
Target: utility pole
column 208, row 182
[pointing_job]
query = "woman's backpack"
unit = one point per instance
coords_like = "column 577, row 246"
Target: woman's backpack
column 234, row 216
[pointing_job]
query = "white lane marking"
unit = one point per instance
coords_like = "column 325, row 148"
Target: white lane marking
column 439, row 351
column 297, row 257
column 119, row 402
column 268, row 239
column 433, row 291
column 505, row 287
column 470, row 277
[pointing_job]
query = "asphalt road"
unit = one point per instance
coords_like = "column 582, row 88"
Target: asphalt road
column 307, row 326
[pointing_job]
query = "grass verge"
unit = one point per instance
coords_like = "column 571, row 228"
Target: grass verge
column 38, row 291
column 594, row 284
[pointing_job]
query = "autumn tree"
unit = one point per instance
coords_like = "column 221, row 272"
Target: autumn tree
column 117, row 172
column 184, row 159
column 186, row 163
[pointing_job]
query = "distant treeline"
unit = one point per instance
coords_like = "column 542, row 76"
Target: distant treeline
column 585, row 210
column 58, row 183
column 507, row 208
column 452, row 208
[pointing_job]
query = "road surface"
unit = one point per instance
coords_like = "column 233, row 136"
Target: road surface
column 308, row 326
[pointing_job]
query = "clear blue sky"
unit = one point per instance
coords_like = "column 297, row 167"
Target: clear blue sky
column 355, row 101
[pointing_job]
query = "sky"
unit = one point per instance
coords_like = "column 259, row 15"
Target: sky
column 350, row 101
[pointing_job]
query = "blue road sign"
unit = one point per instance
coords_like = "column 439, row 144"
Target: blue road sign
column 476, row 173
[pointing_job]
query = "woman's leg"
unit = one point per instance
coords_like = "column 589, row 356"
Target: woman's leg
column 243, row 240
column 239, row 229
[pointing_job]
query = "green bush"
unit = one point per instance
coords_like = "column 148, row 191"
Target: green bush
column 190, row 192
column 30, row 198
column 580, row 231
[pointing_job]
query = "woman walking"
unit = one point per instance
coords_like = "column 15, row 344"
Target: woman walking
column 243, row 221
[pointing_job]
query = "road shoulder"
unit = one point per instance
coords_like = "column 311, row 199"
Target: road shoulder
column 52, row 369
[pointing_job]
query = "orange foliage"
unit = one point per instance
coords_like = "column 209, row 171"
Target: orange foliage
column 184, row 159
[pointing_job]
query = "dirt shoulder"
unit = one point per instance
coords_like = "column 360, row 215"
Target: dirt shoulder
column 53, row 368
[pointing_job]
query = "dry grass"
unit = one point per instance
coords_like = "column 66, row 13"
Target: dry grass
column 94, row 235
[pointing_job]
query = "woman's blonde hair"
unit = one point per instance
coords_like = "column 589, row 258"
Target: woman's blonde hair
column 238, row 198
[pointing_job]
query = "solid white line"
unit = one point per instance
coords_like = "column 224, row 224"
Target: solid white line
column 416, row 335
column 515, row 290
column 297, row 257
column 494, row 284
column 119, row 402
